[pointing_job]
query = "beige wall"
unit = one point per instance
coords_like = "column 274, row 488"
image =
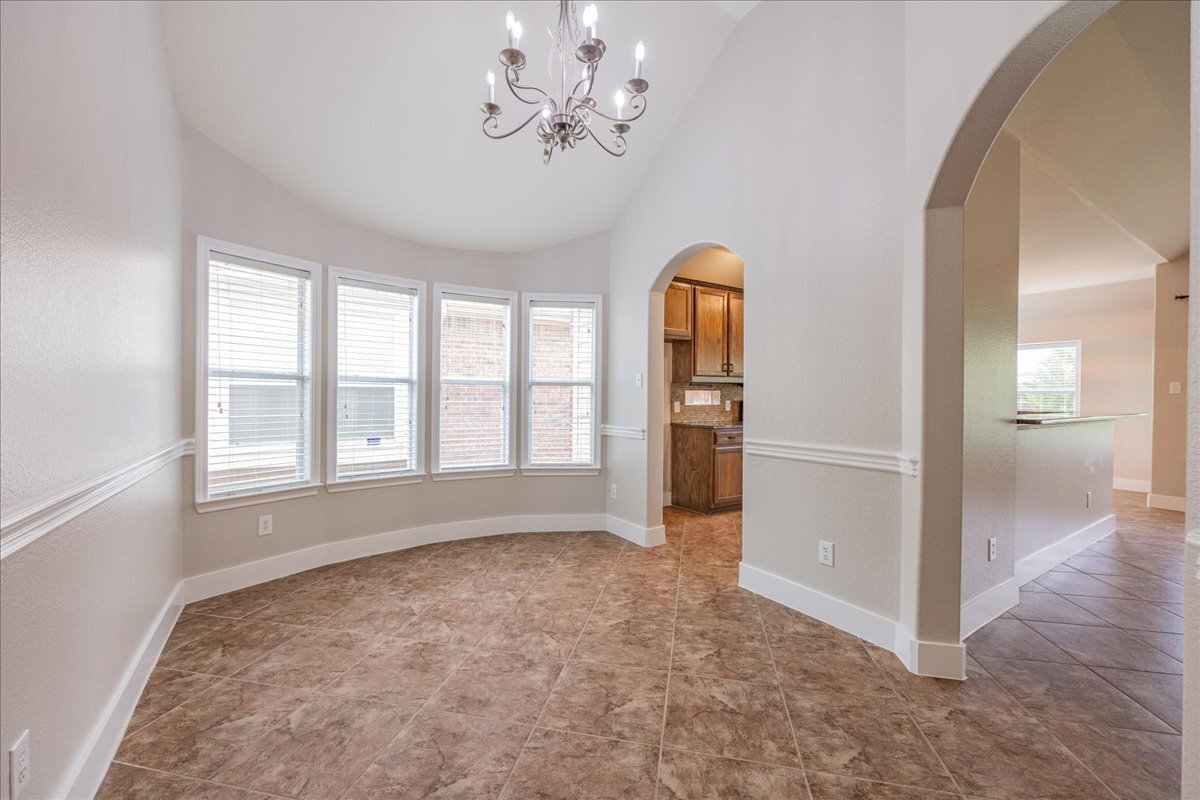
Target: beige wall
column 1115, row 324
column 89, row 378
column 1056, row 467
column 991, row 246
column 714, row 265
column 227, row 199
column 1168, row 471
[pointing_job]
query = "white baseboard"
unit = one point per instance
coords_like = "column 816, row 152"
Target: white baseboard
column 931, row 659
column 1035, row 564
column 986, row 607
column 89, row 770
column 239, row 576
column 1166, row 502
column 1131, row 485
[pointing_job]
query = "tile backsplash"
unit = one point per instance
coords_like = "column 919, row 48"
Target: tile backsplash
column 706, row 415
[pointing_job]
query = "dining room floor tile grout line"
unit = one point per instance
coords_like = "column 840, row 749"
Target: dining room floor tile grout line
column 662, row 734
column 558, row 677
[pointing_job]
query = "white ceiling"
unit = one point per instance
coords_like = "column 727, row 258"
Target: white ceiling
column 371, row 110
column 1105, row 166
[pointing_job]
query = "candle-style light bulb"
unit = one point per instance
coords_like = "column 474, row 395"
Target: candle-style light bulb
column 639, row 55
column 619, row 98
column 509, row 22
column 491, row 80
column 515, row 35
column 589, row 19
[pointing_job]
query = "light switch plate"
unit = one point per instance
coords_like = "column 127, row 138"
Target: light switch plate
column 1175, row 387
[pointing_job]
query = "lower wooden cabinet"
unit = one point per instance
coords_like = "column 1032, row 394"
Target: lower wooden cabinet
column 706, row 467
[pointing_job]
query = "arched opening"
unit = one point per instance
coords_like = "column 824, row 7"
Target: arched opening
column 718, row 272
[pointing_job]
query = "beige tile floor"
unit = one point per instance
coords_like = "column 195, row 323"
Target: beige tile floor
column 573, row 665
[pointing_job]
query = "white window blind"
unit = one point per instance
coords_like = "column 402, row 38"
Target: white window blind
column 259, row 351
column 376, row 404
column 561, row 337
column 1048, row 378
column 474, row 382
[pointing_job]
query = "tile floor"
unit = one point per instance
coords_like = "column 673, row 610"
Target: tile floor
column 575, row 666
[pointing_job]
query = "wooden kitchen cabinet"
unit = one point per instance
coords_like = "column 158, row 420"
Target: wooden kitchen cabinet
column 710, row 338
column 706, row 467
column 677, row 312
column 718, row 332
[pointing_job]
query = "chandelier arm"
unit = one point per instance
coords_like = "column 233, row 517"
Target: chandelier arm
column 509, row 72
column 636, row 103
column 492, row 123
column 618, row 143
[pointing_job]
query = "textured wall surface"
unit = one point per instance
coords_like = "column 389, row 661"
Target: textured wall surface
column 1169, row 468
column 90, row 177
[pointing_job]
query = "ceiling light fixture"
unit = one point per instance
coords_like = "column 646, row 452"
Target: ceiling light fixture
column 565, row 112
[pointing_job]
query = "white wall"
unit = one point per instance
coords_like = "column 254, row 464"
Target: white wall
column 1115, row 324
column 227, row 199
column 90, row 177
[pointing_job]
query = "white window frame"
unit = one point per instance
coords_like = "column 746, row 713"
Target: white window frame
column 415, row 475
column 527, row 301
column 1078, row 346
column 440, row 290
column 205, row 247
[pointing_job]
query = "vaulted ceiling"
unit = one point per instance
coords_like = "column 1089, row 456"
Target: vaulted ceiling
column 371, row 110
column 1104, row 134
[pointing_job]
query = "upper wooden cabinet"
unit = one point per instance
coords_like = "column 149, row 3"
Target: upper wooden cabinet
column 718, row 331
column 737, row 327
column 710, row 339
column 677, row 316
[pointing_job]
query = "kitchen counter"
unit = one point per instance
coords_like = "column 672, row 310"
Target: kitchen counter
column 712, row 426
column 1071, row 419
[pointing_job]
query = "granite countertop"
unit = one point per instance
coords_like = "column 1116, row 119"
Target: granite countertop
column 709, row 425
column 1072, row 419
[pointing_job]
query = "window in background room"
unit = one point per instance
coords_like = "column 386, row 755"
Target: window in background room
column 562, row 362
column 376, row 356
column 474, row 375
column 1048, row 378
column 255, row 429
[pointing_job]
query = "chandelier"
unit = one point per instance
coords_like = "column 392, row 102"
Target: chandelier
column 565, row 110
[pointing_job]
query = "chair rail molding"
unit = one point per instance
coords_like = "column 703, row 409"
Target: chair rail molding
column 29, row 523
column 619, row 432
column 834, row 455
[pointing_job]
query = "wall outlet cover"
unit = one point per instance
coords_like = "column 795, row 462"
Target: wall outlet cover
column 825, row 553
column 19, row 773
column 266, row 525
column 993, row 549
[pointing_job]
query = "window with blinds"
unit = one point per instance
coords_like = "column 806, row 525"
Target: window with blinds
column 259, row 376
column 376, row 417
column 562, row 336
column 1048, row 378
column 474, row 380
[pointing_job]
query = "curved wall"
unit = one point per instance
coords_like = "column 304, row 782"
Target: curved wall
column 227, row 199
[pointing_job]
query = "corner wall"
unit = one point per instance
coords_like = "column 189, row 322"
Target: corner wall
column 228, row 199
column 90, row 179
column 1169, row 455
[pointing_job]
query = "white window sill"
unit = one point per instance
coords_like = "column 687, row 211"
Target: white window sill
column 334, row 487
column 538, row 472
column 257, row 498
column 470, row 474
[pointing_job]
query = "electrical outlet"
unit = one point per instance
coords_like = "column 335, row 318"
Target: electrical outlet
column 1087, row 503
column 993, row 549
column 676, row 404
column 612, row 492
column 637, row 380
column 825, row 552
column 266, row 525
column 19, row 773
column 728, row 405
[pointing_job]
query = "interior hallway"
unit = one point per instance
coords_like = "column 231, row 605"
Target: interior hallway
column 576, row 665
